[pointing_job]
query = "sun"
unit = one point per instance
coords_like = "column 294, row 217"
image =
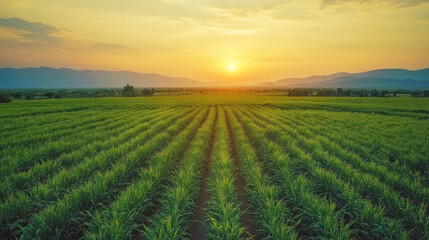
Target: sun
column 231, row 68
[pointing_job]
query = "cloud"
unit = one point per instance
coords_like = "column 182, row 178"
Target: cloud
column 281, row 59
column 113, row 46
column 19, row 33
column 33, row 31
column 246, row 7
column 393, row 3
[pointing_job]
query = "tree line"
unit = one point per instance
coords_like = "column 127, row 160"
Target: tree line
column 33, row 94
column 130, row 91
column 332, row 92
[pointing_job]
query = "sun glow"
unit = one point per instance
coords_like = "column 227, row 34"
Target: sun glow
column 231, row 68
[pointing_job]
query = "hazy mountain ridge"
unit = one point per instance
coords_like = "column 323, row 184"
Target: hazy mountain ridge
column 380, row 78
column 46, row 77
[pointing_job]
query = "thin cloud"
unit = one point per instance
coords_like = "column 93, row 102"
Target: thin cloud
column 34, row 31
column 279, row 59
column 392, row 3
column 246, row 7
column 21, row 33
column 113, row 46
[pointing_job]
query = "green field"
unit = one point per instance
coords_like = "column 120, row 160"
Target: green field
column 219, row 166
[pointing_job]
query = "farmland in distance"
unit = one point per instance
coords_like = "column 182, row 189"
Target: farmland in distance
column 231, row 166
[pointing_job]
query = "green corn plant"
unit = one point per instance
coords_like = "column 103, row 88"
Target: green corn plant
column 44, row 170
column 118, row 220
column 223, row 209
column 264, row 197
column 43, row 194
column 56, row 217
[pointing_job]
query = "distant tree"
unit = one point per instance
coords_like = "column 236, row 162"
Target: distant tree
column 17, row 95
column 293, row 92
column 383, row 93
column 340, row 92
column 329, row 92
column 348, row 93
column 49, row 94
column 306, row 92
column 394, row 94
column 298, row 92
column 58, row 95
column 320, row 92
column 128, row 91
column 374, row 93
column 30, row 96
column 363, row 93
column 147, row 92
column 426, row 93
column 5, row 98
column 415, row 94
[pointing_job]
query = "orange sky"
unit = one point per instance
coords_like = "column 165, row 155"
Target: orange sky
column 263, row 40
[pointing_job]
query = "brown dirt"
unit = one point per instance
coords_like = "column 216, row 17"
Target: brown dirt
column 196, row 230
column 246, row 218
column 155, row 207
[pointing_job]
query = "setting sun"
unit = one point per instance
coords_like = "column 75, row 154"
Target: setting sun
column 251, row 41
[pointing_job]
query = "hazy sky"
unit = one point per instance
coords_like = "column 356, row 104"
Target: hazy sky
column 263, row 40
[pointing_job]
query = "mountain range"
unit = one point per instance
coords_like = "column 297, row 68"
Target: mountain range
column 380, row 78
column 45, row 77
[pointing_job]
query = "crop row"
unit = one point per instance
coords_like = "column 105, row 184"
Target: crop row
column 211, row 172
column 101, row 189
column 21, row 159
column 44, row 133
column 318, row 215
column 223, row 209
column 21, row 204
column 32, row 111
column 412, row 189
column 14, row 126
column 117, row 134
column 119, row 219
column 364, row 184
column 359, row 142
column 270, row 213
column 376, row 140
column 177, row 204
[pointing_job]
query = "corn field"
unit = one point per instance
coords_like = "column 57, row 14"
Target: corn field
column 219, row 168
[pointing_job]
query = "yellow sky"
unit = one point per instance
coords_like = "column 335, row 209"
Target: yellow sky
column 263, row 40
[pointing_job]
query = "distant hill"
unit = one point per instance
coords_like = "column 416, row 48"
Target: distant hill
column 381, row 78
column 45, row 77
